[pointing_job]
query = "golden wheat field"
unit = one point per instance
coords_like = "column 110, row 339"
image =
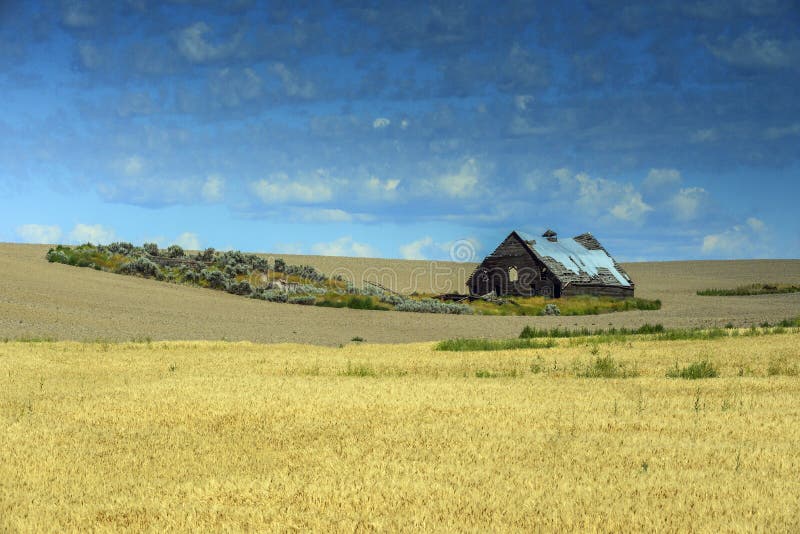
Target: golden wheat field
column 221, row 436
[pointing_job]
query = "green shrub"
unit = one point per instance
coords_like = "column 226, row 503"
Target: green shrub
column 120, row 247
column 207, row 255
column 271, row 295
column 306, row 300
column 695, row 371
column 215, row 279
column 280, row 265
column 175, row 251
column 551, row 309
column 141, row 266
column 151, row 248
column 240, row 288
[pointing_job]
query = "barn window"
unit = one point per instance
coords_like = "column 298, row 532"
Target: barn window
column 513, row 276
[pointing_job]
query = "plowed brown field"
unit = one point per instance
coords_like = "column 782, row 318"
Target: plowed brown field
column 39, row 299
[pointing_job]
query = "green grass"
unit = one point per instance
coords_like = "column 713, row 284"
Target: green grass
column 607, row 367
column 532, row 332
column 359, row 370
column 656, row 332
column 578, row 305
column 752, row 289
column 355, row 302
column 695, row 371
column 464, row 345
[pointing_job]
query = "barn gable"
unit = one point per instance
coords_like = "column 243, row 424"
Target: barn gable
column 551, row 267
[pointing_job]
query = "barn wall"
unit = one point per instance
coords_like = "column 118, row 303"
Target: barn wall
column 493, row 273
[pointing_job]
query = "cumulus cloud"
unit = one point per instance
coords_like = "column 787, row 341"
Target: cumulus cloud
column 132, row 166
column 739, row 241
column 78, row 14
column 414, row 250
column 659, row 179
column 188, row 240
column 234, row 87
column 381, row 189
column 97, row 234
column 778, row 132
column 461, row 184
column 279, row 189
column 687, row 202
column 631, row 207
column 293, row 85
column 345, row 246
column 194, row 45
column 381, row 122
column 213, row 189
column 757, row 50
column 89, row 56
column 39, row 233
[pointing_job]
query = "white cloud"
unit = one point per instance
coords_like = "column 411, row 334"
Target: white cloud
column 413, row 250
column 90, row 56
column 194, row 46
column 325, row 215
column 188, row 241
column 687, row 202
column 631, row 207
column 78, row 14
column 381, row 122
column 756, row 225
column 292, row 84
column 383, row 189
column 523, row 101
column 39, row 233
column 404, row 124
column 461, row 184
column 598, row 196
column 658, row 179
column 233, row 87
column 279, row 189
column 757, row 50
column 739, row 241
column 345, row 246
column 213, row 189
column 97, row 234
column 785, row 131
column 132, row 166
column 705, row 135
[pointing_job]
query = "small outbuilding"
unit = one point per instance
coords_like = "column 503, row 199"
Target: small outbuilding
column 550, row 267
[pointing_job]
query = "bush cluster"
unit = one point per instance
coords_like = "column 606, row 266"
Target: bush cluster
column 175, row 251
column 151, row 248
column 142, row 266
column 551, row 309
column 432, row 306
column 271, row 295
column 306, row 272
column 240, row 288
column 215, row 279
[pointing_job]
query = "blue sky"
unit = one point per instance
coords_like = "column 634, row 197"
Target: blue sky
column 402, row 129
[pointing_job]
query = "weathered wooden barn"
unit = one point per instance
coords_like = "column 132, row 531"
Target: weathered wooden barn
column 550, row 267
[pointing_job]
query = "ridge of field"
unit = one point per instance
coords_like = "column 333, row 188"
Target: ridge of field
column 221, row 436
column 40, row 299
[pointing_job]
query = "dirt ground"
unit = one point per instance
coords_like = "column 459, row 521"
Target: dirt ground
column 39, row 299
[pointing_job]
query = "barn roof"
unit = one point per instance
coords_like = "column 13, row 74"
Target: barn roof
column 581, row 260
